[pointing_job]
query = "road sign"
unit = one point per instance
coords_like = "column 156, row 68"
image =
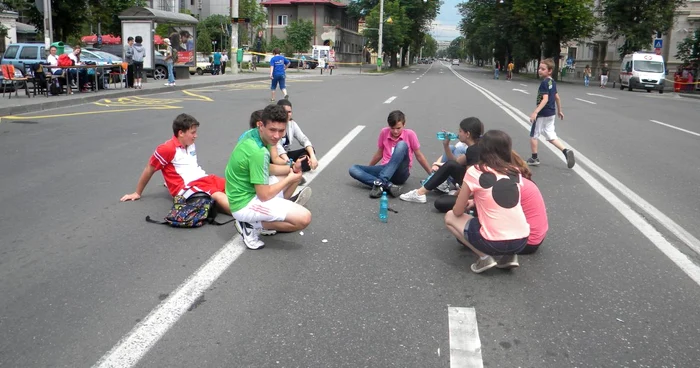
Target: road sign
column 240, row 20
column 658, row 51
column 658, row 43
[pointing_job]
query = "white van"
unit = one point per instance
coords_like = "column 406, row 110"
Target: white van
column 642, row 70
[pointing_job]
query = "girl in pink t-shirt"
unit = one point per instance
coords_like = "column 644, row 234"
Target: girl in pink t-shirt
column 501, row 228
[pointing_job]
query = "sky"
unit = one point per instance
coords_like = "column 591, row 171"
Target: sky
column 444, row 28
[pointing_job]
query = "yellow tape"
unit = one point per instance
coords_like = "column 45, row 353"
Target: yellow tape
column 330, row 62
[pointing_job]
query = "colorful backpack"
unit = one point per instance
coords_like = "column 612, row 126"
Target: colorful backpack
column 194, row 211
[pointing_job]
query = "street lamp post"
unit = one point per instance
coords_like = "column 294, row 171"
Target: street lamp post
column 48, row 26
column 379, row 42
column 234, row 37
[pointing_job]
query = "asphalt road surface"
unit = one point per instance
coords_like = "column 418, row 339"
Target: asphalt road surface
column 87, row 282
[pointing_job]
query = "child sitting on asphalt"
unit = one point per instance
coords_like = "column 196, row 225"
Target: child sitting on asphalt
column 470, row 129
column 501, row 228
column 396, row 147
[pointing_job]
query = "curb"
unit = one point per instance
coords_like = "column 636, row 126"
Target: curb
column 686, row 95
column 92, row 97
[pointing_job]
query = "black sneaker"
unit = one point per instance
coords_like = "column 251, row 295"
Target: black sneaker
column 302, row 198
column 377, row 190
column 533, row 161
column 394, row 190
column 249, row 234
column 286, row 97
column 570, row 160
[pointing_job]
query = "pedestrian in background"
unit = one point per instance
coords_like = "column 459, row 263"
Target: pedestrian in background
column 129, row 58
column 278, row 73
column 224, row 59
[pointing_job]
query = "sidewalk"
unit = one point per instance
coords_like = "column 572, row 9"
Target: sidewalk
column 21, row 104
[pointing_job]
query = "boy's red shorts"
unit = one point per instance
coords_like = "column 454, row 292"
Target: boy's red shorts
column 209, row 184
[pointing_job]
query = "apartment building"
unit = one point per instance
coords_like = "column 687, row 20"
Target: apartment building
column 333, row 26
column 601, row 49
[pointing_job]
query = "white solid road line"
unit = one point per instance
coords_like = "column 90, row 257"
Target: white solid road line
column 465, row 345
column 586, row 101
column 647, row 229
column 390, row 100
column 134, row 345
column 406, row 87
column 675, row 127
column 603, row 96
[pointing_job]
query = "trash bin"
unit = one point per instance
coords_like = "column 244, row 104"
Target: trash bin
column 239, row 56
column 60, row 47
column 563, row 72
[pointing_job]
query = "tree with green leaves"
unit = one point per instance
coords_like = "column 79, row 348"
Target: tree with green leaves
column 256, row 13
column 419, row 16
column 68, row 18
column 395, row 29
column 430, row 46
column 204, row 41
column 107, row 13
column 299, row 35
column 638, row 21
column 555, row 22
column 689, row 48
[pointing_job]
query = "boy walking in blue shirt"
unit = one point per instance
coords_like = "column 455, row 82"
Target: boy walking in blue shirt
column 542, row 119
column 278, row 68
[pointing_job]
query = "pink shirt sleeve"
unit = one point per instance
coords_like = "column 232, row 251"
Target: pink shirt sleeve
column 382, row 137
column 413, row 143
column 471, row 178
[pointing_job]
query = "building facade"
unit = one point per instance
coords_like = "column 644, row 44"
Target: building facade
column 332, row 25
column 601, row 49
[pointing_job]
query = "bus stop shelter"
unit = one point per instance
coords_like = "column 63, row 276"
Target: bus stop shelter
column 142, row 21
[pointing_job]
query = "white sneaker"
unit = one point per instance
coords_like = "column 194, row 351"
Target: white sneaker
column 249, row 234
column 167, row 84
column 413, row 196
column 267, row 232
column 444, row 187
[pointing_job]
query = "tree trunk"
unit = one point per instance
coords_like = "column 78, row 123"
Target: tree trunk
column 394, row 60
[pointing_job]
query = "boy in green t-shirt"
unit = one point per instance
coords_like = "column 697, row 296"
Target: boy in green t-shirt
column 257, row 200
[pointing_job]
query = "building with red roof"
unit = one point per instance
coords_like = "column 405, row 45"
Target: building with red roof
column 334, row 26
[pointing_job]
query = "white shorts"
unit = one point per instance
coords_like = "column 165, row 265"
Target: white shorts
column 544, row 126
column 275, row 209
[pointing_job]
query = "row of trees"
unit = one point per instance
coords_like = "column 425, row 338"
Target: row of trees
column 409, row 26
column 74, row 18
column 523, row 30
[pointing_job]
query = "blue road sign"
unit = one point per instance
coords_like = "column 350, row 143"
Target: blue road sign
column 658, row 43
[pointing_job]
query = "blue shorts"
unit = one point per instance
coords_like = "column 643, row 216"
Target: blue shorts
column 491, row 247
column 278, row 79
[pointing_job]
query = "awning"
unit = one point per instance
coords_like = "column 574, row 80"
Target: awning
column 159, row 16
column 25, row 28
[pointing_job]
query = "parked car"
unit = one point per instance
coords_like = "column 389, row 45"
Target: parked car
column 203, row 66
column 160, row 70
column 20, row 54
column 308, row 63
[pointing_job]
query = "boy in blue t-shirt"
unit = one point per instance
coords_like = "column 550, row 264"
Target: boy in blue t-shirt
column 278, row 67
column 542, row 119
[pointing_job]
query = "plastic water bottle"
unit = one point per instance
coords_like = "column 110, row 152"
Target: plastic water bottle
column 384, row 208
column 441, row 136
column 422, row 182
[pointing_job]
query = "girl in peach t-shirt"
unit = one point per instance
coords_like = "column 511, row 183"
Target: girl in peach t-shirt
column 501, row 228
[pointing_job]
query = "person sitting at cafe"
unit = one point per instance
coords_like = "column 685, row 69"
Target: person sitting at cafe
column 82, row 74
